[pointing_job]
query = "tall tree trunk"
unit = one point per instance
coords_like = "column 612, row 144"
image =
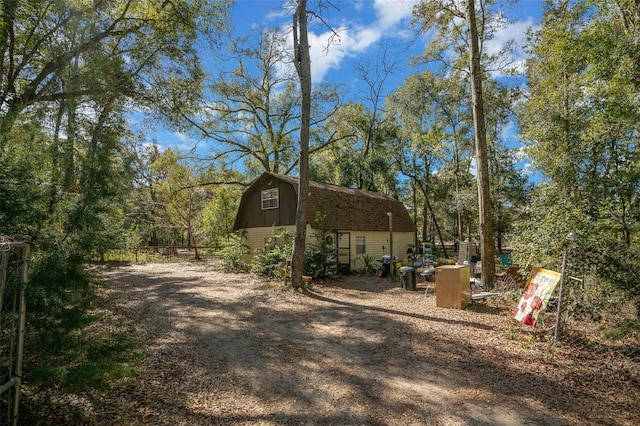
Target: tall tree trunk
column 415, row 208
column 68, row 148
column 55, row 156
column 433, row 216
column 484, row 193
column 303, row 67
column 192, row 236
column 459, row 212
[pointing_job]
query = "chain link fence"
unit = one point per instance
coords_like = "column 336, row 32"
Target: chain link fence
column 580, row 313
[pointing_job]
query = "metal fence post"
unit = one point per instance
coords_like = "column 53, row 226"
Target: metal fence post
column 22, row 313
column 569, row 240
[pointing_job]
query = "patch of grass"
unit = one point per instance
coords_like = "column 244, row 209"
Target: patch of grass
column 509, row 332
column 141, row 256
column 527, row 341
column 86, row 361
column 76, row 349
column 622, row 330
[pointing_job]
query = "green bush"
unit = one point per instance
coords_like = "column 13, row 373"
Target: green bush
column 271, row 259
column 369, row 264
column 60, row 291
column 320, row 260
column 67, row 347
column 233, row 248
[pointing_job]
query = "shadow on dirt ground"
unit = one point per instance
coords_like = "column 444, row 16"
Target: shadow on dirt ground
column 232, row 349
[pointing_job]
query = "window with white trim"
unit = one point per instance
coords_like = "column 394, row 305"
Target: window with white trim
column 270, row 199
column 361, row 245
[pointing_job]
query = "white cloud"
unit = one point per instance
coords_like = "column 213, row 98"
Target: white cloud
column 277, row 13
column 323, row 57
column 183, row 137
column 391, row 12
column 514, row 31
column 391, row 21
column 327, row 56
column 354, row 40
column 365, row 37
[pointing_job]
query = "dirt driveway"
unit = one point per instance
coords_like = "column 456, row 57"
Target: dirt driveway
column 232, row 349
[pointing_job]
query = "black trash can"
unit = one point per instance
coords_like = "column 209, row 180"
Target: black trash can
column 408, row 277
column 386, row 269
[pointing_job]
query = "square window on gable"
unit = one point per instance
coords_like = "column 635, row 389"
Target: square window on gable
column 270, row 199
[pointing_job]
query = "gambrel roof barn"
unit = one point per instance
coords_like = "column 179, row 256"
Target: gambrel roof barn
column 357, row 219
column 344, row 208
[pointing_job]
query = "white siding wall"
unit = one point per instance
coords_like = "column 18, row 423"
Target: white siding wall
column 256, row 237
column 374, row 241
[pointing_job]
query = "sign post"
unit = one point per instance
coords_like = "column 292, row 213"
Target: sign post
column 570, row 238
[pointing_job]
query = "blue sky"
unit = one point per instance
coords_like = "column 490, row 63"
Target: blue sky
column 362, row 26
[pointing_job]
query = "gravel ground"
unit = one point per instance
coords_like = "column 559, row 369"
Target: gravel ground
column 234, row 349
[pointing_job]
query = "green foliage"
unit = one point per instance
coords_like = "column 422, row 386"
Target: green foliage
column 64, row 348
column 368, row 263
column 320, row 259
column 116, row 255
column 361, row 160
column 133, row 240
column 80, row 363
column 540, row 236
column 623, row 330
column 118, row 56
column 271, row 259
column 65, row 175
column 581, row 128
column 69, row 347
column 142, row 205
column 619, row 267
column 232, row 250
column 23, row 205
column 180, row 192
column 59, row 292
column 219, row 215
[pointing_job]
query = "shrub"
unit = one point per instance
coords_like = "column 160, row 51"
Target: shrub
column 320, row 259
column 369, row 263
column 233, row 248
column 271, row 259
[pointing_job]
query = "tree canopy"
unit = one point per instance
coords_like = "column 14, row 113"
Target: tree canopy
column 561, row 138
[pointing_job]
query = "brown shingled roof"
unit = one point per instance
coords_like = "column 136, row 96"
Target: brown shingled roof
column 350, row 209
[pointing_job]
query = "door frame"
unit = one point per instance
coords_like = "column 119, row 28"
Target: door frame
column 343, row 250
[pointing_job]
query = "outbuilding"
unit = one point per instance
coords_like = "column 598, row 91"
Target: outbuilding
column 356, row 222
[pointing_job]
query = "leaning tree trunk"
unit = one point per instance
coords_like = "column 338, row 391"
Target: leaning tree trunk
column 303, row 67
column 484, row 193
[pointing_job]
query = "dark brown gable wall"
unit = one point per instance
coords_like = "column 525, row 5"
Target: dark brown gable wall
column 283, row 215
column 251, row 214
